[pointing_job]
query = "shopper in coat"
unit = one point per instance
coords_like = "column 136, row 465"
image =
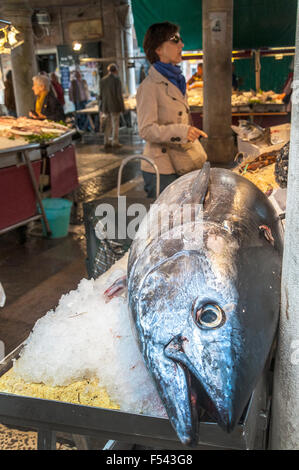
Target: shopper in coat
column 112, row 104
column 58, row 88
column 9, row 96
column 46, row 105
column 79, row 95
column 163, row 113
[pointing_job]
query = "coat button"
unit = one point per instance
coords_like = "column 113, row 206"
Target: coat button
column 180, row 113
column 164, row 150
column 174, row 99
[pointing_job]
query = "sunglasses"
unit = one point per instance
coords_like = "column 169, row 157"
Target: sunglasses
column 176, row 38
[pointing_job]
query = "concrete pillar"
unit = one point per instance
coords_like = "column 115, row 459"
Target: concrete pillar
column 23, row 60
column 217, row 19
column 285, row 406
column 112, row 42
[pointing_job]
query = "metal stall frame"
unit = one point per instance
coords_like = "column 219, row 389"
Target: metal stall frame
column 24, row 150
column 121, row 428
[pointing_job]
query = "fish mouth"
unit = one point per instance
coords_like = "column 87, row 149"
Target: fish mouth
column 196, row 399
column 192, row 438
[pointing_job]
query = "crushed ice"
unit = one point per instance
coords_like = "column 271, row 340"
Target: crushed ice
column 86, row 337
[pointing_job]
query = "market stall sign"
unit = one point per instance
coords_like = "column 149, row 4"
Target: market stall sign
column 85, row 30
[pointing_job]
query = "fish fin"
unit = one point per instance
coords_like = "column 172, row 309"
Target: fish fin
column 266, row 231
column 201, row 185
column 116, row 289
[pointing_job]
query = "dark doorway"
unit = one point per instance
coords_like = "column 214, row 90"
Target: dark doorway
column 46, row 63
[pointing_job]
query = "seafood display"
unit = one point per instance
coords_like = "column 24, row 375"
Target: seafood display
column 239, row 98
column 282, row 166
column 23, row 127
column 83, row 351
column 252, row 97
column 204, row 296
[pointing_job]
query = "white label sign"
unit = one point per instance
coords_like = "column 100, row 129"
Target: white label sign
column 218, row 27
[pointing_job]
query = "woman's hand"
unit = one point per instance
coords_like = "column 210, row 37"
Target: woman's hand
column 194, row 133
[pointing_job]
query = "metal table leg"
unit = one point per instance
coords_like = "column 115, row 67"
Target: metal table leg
column 32, row 176
column 46, row 440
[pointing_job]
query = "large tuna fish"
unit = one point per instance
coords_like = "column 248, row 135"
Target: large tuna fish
column 205, row 304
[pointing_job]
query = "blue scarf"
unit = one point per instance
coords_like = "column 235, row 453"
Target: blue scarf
column 173, row 73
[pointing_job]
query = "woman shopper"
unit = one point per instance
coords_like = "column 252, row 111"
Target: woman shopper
column 163, row 113
column 46, row 105
column 9, row 96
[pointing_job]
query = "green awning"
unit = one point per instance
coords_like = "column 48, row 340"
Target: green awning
column 257, row 23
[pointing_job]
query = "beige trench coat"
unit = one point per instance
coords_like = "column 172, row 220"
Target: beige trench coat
column 163, row 121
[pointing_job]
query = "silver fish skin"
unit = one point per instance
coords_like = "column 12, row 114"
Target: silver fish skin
column 204, row 297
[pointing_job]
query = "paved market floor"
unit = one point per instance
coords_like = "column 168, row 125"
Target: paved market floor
column 37, row 272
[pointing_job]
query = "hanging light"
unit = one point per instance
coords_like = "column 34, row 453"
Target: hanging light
column 77, row 46
column 10, row 37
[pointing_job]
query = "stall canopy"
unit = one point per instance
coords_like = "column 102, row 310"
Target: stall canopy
column 256, row 24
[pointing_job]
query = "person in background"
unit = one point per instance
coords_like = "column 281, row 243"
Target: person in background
column 163, row 113
column 235, row 79
column 112, row 104
column 287, row 90
column 52, row 89
column 142, row 74
column 46, row 105
column 58, row 88
column 196, row 79
column 79, row 95
column 9, row 96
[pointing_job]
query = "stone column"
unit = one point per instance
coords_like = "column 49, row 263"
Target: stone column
column 23, row 60
column 112, row 43
column 217, row 18
column 285, row 406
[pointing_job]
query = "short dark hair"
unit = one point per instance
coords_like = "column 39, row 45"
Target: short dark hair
column 156, row 34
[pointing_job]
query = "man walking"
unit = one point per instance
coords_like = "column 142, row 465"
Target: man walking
column 79, row 95
column 112, row 104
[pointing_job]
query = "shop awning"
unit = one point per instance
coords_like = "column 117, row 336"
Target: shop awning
column 257, row 23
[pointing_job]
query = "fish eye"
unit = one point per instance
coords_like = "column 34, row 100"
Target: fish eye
column 209, row 316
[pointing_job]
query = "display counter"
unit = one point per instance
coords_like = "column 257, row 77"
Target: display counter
column 265, row 115
column 47, row 416
column 59, row 165
column 21, row 167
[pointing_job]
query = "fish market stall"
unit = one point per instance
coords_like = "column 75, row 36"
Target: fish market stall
column 265, row 108
column 261, row 157
column 92, row 113
column 59, row 163
column 88, row 338
column 29, row 151
column 48, row 416
column 85, row 406
column 20, row 168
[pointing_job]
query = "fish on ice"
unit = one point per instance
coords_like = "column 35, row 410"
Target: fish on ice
column 205, row 304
